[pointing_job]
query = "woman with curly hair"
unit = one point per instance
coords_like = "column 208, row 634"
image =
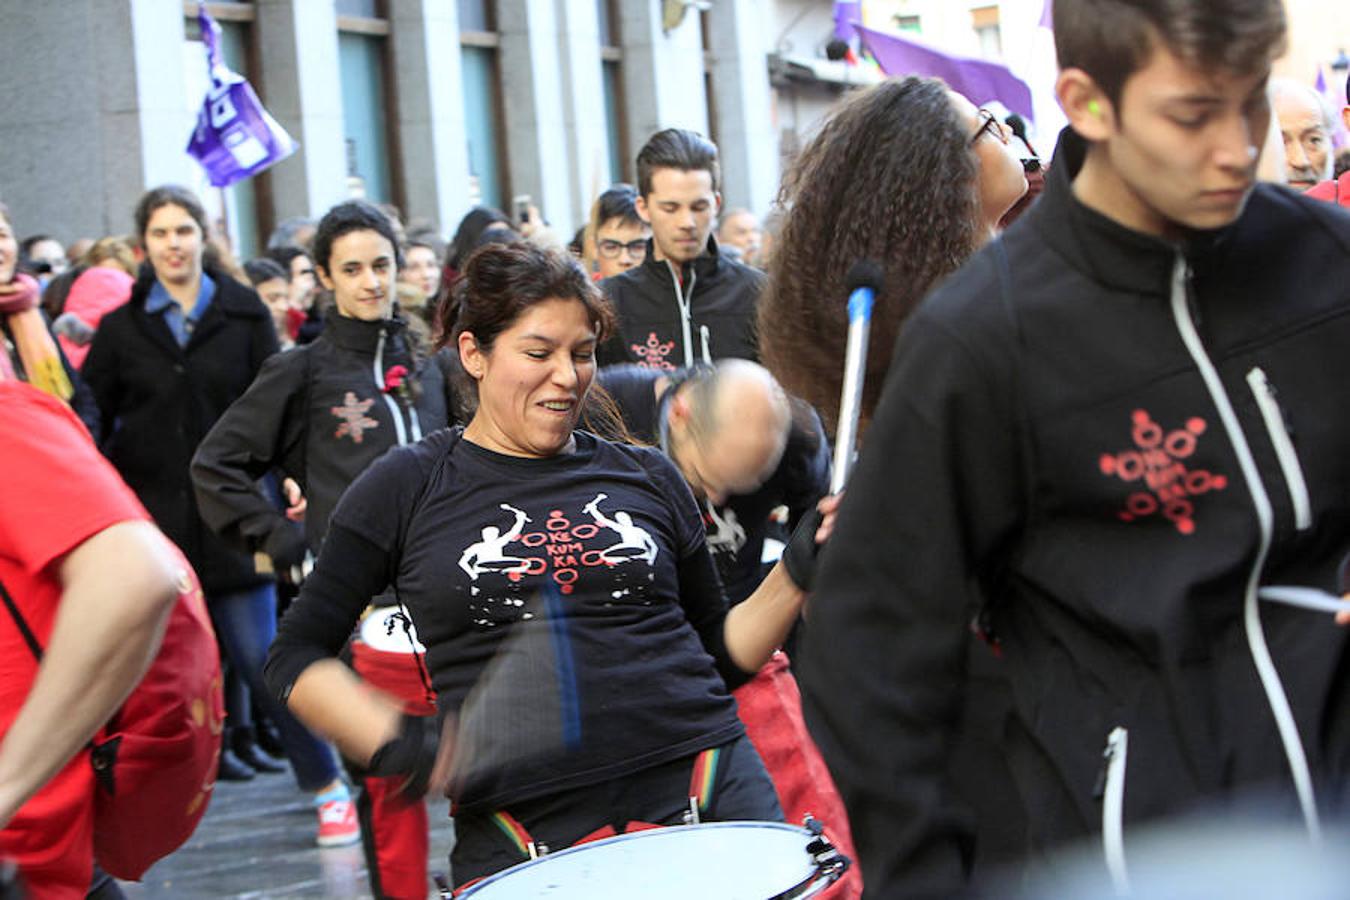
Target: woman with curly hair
column 908, row 174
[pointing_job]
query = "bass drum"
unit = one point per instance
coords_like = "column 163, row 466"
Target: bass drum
column 715, row 861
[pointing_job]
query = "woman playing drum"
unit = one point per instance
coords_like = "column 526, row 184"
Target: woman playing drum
column 574, row 566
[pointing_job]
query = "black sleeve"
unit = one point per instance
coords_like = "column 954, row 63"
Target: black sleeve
column 936, row 495
column 350, row 571
column 101, row 373
column 359, row 559
column 701, row 593
column 261, row 430
column 806, row 463
column 634, row 391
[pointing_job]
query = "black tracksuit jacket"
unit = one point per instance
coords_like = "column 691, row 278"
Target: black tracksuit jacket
column 1080, row 434
column 672, row 321
column 319, row 415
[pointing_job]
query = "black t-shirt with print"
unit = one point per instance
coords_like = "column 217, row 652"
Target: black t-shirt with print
column 570, row 608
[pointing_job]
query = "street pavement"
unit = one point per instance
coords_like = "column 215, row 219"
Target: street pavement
column 256, row 841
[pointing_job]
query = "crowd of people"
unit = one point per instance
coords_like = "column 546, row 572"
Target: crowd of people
column 546, row 526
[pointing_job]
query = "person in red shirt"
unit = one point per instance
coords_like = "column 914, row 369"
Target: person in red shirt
column 95, row 581
column 1336, row 190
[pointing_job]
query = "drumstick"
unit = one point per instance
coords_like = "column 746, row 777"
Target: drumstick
column 863, row 281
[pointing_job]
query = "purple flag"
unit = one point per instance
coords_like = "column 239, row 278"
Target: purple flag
column 1048, row 15
column 847, row 13
column 979, row 80
column 235, row 138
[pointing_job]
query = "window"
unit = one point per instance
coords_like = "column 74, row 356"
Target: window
column 909, row 24
column 480, row 62
column 363, row 46
column 611, row 74
column 984, row 19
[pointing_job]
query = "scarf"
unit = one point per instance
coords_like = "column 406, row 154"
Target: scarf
column 38, row 356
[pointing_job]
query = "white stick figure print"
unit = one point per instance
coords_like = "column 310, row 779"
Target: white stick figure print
column 489, row 554
column 631, row 536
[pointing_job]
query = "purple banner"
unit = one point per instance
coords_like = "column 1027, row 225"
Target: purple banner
column 979, row 80
column 235, row 138
column 847, row 13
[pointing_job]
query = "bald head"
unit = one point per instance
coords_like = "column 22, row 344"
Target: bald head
column 1306, row 125
column 740, row 229
column 728, row 428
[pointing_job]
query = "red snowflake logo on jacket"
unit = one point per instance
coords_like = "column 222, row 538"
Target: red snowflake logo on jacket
column 652, row 355
column 355, row 422
column 1157, row 462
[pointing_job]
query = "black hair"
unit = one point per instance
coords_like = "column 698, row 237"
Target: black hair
column 265, row 269
column 169, row 195
column 618, row 202
column 677, row 148
column 1110, row 40
column 471, row 228
column 353, row 215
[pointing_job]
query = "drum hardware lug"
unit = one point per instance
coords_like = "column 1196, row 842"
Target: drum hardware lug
column 536, row 849
column 443, row 890
column 812, row 824
column 691, row 816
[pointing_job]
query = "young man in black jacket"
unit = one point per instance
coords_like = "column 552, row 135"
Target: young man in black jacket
column 1080, row 440
column 686, row 303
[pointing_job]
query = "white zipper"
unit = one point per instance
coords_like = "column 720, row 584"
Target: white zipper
column 706, row 335
column 399, row 431
column 1113, row 807
column 1251, row 616
column 1284, row 447
column 684, row 310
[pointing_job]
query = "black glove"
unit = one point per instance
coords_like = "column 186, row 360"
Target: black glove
column 412, row 755
column 286, row 546
column 802, row 551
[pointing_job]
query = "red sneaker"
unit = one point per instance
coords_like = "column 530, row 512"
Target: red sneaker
column 337, row 824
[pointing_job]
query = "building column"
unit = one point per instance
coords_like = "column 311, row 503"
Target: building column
column 663, row 73
column 429, row 113
column 533, row 98
column 744, row 126
column 298, row 43
column 586, row 130
column 80, row 140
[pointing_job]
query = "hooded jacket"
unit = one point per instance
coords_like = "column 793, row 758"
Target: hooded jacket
column 1081, row 435
column 671, row 318
column 321, row 414
column 158, row 400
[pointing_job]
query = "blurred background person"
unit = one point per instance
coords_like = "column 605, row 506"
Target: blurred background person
column 164, row 367
column 741, row 234
column 618, row 236
column 1306, row 124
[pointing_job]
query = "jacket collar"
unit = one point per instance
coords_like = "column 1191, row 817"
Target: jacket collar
column 705, row 265
column 1111, row 254
column 358, row 334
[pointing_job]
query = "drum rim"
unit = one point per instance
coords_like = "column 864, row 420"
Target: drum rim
column 646, row 833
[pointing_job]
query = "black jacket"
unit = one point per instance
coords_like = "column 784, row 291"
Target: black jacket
column 318, row 414
column 1077, row 435
column 666, row 322
column 158, row 401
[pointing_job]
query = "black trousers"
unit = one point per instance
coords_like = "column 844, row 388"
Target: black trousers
column 660, row 795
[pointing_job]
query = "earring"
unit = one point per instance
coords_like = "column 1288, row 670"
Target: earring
column 1095, row 108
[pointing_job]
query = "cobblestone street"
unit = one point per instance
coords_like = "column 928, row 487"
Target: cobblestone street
column 257, row 841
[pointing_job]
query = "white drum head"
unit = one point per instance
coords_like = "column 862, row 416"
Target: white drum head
column 376, row 632
column 716, row 861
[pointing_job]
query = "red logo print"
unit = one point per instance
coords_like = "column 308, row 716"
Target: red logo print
column 1157, row 461
column 355, row 422
column 652, row 355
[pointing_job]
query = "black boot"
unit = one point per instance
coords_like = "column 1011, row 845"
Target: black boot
column 245, row 747
column 231, row 768
column 268, row 738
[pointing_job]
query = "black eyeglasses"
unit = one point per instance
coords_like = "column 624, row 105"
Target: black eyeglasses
column 989, row 124
column 611, row 249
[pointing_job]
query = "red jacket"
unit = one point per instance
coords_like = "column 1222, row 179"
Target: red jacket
column 1336, row 191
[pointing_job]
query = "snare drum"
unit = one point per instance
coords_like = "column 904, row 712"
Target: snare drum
column 752, row 861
